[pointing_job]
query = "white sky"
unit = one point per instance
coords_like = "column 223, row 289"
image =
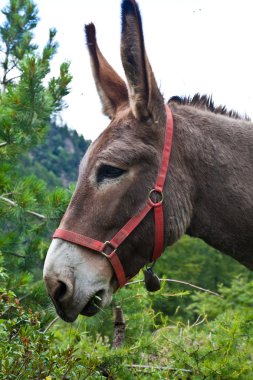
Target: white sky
column 193, row 45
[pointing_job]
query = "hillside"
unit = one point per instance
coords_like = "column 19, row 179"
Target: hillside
column 57, row 158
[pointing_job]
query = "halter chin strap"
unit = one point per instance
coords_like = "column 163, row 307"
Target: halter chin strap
column 109, row 248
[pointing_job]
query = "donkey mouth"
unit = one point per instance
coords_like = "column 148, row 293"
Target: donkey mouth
column 94, row 305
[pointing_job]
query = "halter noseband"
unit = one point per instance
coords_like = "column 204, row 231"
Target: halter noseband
column 109, row 248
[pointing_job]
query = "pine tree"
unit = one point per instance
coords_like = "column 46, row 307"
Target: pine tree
column 26, row 104
column 27, row 208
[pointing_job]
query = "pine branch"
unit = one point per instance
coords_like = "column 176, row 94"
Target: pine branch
column 51, row 324
column 179, row 282
column 11, row 79
column 15, row 254
column 143, row 368
column 11, row 68
column 198, row 321
column 5, row 65
column 15, row 204
column 4, row 80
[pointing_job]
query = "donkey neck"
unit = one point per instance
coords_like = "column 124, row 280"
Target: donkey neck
column 211, row 179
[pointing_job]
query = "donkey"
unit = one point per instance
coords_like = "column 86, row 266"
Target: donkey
column 208, row 187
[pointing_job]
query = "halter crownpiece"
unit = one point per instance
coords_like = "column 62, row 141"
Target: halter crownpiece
column 109, row 248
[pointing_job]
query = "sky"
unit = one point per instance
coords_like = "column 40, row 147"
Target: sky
column 194, row 46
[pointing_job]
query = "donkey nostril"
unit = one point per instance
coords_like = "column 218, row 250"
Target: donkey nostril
column 60, row 291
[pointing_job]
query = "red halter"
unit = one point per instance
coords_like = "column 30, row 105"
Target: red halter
column 126, row 230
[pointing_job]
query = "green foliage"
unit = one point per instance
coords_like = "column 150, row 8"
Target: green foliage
column 26, row 103
column 193, row 261
column 28, row 210
column 238, row 293
column 16, row 32
column 26, row 234
column 219, row 346
column 216, row 345
column 26, row 351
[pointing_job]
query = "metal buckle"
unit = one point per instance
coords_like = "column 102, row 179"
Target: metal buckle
column 108, row 246
column 154, row 202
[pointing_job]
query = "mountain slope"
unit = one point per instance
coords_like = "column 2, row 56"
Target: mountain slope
column 56, row 160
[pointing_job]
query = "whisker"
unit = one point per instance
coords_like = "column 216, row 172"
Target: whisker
column 99, row 308
column 94, row 303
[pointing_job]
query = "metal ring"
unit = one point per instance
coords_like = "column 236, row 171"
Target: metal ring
column 110, row 245
column 159, row 202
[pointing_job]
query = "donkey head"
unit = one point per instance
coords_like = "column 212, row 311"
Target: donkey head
column 115, row 178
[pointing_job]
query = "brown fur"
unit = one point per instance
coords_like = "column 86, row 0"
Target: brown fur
column 209, row 185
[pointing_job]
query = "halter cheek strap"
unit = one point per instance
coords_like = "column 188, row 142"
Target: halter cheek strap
column 109, row 248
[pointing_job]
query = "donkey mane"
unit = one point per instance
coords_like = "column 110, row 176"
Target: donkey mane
column 206, row 102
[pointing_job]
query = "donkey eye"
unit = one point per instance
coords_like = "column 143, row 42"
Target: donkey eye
column 108, row 172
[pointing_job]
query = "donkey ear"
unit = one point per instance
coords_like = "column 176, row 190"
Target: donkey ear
column 145, row 98
column 111, row 88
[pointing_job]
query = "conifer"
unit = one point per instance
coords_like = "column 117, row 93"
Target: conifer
column 28, row 100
